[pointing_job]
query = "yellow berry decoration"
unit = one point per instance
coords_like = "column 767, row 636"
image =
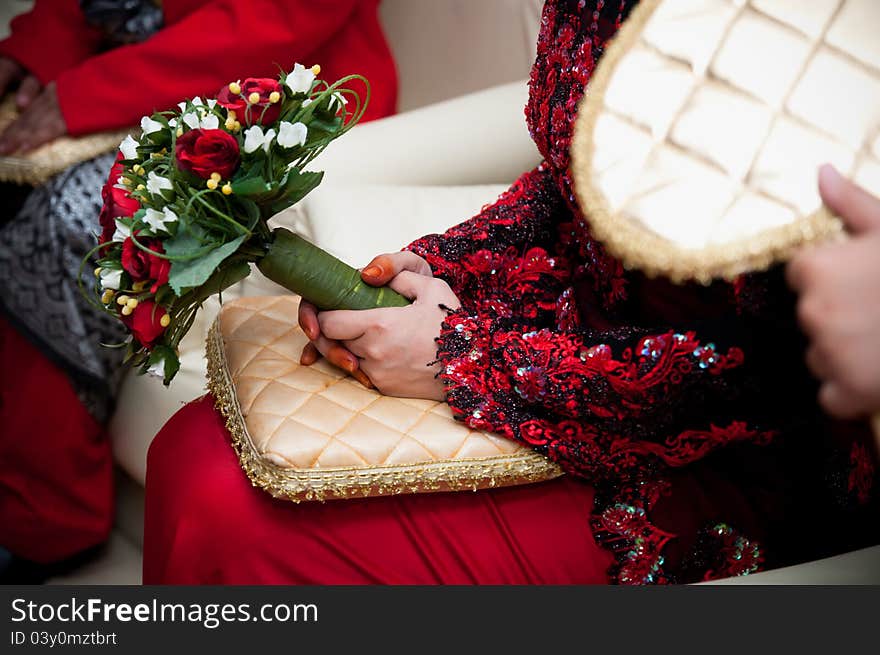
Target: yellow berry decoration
column 212, row 184
column 107, row 296
column 216, row 176
column 98, row 271
column 227, row 189
column 126, row 311
column 274, row 97
column 121, row 300
column 165, row 321
column 132, row 303
column 234, row 88
column 316, row 69
column 254, row 98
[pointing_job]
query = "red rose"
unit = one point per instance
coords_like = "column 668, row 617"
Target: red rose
column 117, row 202
column 246, row 112
column 202, row 152
column 144, row 322
column 143, row 265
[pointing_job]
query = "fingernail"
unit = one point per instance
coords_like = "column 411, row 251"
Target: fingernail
column 828, row 174
column 372, row 271
column 348, row 364
column 361, row 377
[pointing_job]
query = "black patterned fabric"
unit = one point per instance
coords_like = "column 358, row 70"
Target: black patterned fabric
column 41, row 249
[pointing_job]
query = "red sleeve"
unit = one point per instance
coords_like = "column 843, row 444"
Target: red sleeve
column 222, row 41
column 603, row 403
column 481, row 257
column 52, row 37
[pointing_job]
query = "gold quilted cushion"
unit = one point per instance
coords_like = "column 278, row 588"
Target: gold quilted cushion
column 312, row 433
column 700, row 136
column 39, row 165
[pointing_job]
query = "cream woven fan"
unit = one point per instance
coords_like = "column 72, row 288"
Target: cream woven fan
column 50, row 159
column 699, row 139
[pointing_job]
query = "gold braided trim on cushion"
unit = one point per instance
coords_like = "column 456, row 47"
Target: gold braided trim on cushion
column 312, row 433
column 647, row 133
column 39, row 165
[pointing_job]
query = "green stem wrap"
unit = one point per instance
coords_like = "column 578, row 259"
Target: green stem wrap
column 321, row 278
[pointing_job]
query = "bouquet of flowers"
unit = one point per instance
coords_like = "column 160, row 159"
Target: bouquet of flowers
column 186, row 208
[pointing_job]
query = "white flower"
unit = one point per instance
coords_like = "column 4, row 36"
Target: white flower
column 254, row 138
column 211, row 103
column 197, row 101
column 148, row 125
column 209, row 122
column 172, row 123
column 128, row 148
column 300, row 79
column 191, row 119
column 157, row 220
column 337, row 98
column 122, row 232
column 158, row 369
column 292, row 134
column 307, row 102
column 156, row 183
column 111, row 279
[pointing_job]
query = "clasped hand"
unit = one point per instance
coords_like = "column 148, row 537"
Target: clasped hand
column 393, row 349
column 40, row 120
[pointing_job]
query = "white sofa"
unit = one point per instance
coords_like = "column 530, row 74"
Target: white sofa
column 459, row 140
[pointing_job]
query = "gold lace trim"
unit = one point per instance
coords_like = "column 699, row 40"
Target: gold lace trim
column 639, row 248
column 332, row 483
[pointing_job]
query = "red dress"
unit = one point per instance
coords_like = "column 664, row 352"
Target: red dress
column 684, row 415
column 55, row 460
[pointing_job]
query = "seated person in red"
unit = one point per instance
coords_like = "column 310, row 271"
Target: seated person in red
column 106, row 70
column 684, row 416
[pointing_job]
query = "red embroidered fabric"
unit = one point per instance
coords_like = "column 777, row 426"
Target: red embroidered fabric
column 616, row 377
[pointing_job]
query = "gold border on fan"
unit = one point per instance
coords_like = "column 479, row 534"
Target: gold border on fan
column 642, row 249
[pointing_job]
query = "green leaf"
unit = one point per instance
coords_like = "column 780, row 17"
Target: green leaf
column 192, row 273
column 251, row 186
column 172, row 363
column 294, row 188
column 223, row 278
column 251, row 210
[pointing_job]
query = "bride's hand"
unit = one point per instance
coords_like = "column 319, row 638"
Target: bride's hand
column 377, row 273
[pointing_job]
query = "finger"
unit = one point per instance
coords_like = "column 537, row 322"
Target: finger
column 410, row 285
column 310, row 355
column 9, row 72
column 347, row 325
column 10, row 141
column 858, row 208
column 308, row 320
column 818, row 363
column 383, row 268
column 839, row 402
column 362, row 377
column 795, row 271
column 28, row 90
column 342, row 358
